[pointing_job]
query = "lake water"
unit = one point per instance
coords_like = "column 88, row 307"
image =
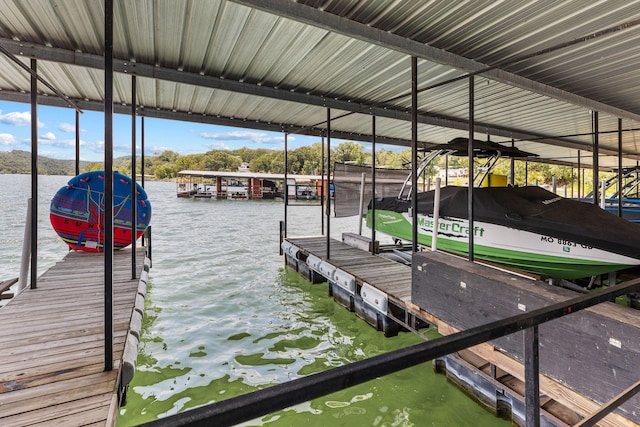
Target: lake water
column 223, row 317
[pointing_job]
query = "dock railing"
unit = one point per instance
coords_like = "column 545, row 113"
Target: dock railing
column 261, row 402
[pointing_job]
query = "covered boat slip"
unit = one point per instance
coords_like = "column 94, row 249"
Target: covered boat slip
column 52, row 343
column 585, row 359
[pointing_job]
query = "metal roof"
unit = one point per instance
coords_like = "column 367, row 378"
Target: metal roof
column 542, row 66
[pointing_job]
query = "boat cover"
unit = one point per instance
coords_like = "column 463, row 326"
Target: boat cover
column 532, row 209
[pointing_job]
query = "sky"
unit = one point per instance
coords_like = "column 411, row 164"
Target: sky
column 56, row 134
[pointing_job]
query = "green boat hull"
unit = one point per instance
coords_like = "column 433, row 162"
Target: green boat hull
column 562, row 266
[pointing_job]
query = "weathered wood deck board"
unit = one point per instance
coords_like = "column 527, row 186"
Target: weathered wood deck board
column 52, row 344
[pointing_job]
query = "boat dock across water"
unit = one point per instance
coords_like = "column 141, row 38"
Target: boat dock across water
column 246, row 185
column 586, row 359
column 52, row 343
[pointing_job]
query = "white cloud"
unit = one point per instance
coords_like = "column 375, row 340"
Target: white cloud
column 18, row 119
column 248, row 137
column 233, row 135
column 217, row 146
column 49, row 136
column 67, row 127
column 7, row 140
column 50, row 140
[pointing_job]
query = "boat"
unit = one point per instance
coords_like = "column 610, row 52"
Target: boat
column 630, row 195
column 527, row 229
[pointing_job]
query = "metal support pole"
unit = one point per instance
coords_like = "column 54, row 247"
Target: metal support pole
column 471, row 168
column 579, row 181
column 373, row 184
column 134, row 222
column 108, row 186
column 596, row 168
column 77, row 142
column 526, row 173
column 142, row 151
column 436, row 215
column 286, row 183
column 512, row 172
column 142, row 164
column 446, row 170
column 325, row 185
column 532, row 376
column 34, row 174
column 620, row 168
column 414, row 153
column 26, row 250
column 328, row 212
column 363, row 183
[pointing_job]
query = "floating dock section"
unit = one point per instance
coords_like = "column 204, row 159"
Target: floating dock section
column 52, row 343
column 586, row 358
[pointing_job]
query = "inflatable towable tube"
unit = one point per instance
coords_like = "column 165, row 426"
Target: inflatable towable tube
column 77, row 211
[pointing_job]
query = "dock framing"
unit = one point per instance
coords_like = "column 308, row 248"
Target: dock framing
column 52, row 343
column 494, row 377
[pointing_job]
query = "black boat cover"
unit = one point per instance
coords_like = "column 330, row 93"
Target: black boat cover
column 532, row 209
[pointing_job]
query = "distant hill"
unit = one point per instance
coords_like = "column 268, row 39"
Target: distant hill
column 18, row 161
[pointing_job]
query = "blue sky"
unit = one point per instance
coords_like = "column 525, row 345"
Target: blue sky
column 56, row 134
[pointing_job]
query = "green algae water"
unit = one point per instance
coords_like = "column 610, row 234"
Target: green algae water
column 224, row 317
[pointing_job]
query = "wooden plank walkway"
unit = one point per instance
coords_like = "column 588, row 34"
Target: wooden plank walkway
column 389, row 276
column 52, row 344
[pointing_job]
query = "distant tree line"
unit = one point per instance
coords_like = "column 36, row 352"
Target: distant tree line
column 19, row 162
column 303, row 160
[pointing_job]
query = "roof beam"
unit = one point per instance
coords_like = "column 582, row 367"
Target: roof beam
column 347, row 27
column 80, row 59
column 53, row 101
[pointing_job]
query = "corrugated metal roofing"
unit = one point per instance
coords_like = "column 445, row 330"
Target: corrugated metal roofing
column 278, row 64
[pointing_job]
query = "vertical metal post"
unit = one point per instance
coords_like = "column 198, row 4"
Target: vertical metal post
column 414, row 153
column 531, row 377
column 373, row 184
column 142, row 151
column 579, row 182
column 446, row 170
column 34, row 175
column 471, row 168
column 620, row 167
column 108, row 185
column 325, row 186
column 328, row 212
column 363, row 184
column 286, row 182
column 142, row 164
column 77, row 142
column 134, row 198
column 512, row 174
column 436, row 215
column 596, row 166
column 526, row 173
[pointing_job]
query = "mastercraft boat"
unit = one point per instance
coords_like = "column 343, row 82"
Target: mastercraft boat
column 524, row 228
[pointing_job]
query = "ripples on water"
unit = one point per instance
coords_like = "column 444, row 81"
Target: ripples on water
column 223, row 318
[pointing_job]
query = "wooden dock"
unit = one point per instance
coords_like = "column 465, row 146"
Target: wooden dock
column 498, row 378
column 52, row 343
